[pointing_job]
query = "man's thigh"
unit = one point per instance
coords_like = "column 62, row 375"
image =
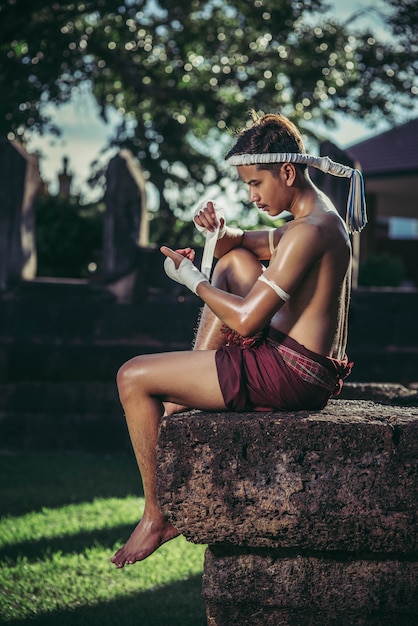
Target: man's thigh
column 188, row 378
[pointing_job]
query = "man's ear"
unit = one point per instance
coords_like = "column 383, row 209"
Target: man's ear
column 289, row 173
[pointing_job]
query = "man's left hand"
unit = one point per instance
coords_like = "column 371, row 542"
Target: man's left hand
column 178, row 255
column 180, row 268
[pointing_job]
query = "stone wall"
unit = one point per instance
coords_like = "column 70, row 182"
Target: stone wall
column 63, row 341
column 310, row 517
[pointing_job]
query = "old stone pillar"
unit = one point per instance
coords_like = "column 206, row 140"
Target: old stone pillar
column 19, row 185
column 125, row 222
column 310, row 517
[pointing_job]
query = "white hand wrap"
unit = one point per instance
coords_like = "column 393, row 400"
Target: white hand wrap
column 212, row 236
column 186, row 274
column 220, row 232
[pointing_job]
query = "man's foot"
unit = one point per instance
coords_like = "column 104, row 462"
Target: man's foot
column 147, row 537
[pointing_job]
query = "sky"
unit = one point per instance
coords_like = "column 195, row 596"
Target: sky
column 85, row 134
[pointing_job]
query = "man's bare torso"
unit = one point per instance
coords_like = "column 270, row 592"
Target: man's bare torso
column 316, row 314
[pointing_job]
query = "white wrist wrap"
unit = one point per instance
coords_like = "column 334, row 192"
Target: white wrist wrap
column 186, row 274
column 219, row 214
column 212, row 237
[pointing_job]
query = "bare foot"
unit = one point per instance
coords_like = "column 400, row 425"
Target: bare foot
column 170, row 408
column 145, row 539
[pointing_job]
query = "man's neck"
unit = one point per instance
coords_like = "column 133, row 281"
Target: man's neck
column 304, row 201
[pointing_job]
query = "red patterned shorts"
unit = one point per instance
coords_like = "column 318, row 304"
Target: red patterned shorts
column 276, row 373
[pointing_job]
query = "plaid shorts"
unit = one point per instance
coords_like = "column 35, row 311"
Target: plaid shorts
column 274, row 372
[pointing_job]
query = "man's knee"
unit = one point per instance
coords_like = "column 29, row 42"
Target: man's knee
column 237, row 270
column 128, row 376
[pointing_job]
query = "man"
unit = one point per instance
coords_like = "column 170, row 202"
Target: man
column 267, row 340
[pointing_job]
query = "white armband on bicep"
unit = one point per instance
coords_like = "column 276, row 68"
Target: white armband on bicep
column 280, row 292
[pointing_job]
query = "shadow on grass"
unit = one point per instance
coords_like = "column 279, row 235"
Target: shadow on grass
column 32, row 481
column 178, row 604
column 50, row 479
column 38, row 549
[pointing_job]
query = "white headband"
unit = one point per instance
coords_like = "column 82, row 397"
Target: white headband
column 356, row 204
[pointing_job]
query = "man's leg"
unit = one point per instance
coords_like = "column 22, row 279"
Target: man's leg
column 236, row 272
column 187, row 378
column 149, row 383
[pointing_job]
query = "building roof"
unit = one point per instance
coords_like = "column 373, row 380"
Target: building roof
column 392, row 152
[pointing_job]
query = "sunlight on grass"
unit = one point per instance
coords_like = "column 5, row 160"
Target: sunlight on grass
column 59, row 558
column 71, row 519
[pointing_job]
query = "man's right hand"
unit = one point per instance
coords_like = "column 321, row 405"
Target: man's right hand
column 207, row 217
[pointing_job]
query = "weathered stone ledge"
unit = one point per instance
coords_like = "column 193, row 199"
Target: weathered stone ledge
column 310, row 517
column 266, row 591
column 344, row 478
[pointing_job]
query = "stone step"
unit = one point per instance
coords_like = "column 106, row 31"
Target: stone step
column 36, row 415
column 74, row 361
column 51, row 329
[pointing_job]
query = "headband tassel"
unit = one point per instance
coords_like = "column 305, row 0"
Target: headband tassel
column 356, row 203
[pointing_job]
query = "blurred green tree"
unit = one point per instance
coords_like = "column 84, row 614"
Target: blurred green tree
column 182, row 74
column 68, row 237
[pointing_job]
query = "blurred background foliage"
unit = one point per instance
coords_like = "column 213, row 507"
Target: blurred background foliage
column 381, row 270
column 183, row 77
column 68, row 237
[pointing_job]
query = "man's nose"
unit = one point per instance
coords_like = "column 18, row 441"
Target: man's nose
column 254, row 196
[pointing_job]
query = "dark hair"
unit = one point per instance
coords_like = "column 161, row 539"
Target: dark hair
column 268, row 133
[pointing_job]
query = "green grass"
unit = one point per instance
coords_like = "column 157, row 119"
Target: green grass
column 62, row 517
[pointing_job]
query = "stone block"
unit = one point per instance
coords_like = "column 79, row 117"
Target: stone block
column 310, row 517
column 341, row 479
column 270, row 588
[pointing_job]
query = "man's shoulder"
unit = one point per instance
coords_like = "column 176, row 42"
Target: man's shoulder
column 318, row 222
column 321, row 232
column 308, row 224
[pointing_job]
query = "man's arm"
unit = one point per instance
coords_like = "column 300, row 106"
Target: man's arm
column 260, row 242
column 296, row 255
column 248, row 315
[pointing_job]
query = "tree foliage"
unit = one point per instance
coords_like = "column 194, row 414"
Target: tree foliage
column 183, row 74
column 403, row 21
column 68, row 237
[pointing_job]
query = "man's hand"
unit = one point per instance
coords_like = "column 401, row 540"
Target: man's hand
column 207, row 217
column 178, row 255
column 180, row 268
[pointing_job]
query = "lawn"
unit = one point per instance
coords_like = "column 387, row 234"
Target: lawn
column 62, row 517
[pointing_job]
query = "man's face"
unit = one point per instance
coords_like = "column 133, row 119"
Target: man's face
column 270, row 193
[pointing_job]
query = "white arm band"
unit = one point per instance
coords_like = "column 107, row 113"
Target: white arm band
column 186, row 274
column 280, row 292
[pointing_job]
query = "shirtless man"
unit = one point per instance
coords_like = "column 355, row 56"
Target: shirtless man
column 285, row 327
